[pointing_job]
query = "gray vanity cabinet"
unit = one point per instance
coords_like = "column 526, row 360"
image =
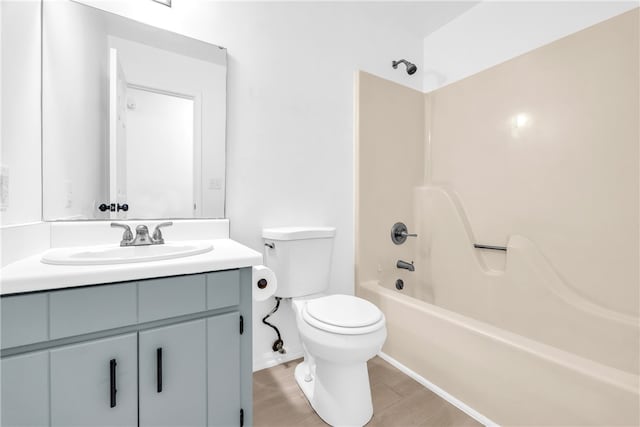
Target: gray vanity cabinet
column 25, row 390
column 223, row 361
column 173, row 386
column 174, row 351
column 174, row 391
column 84, row 378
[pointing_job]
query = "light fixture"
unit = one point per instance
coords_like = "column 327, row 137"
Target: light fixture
column 164, row 2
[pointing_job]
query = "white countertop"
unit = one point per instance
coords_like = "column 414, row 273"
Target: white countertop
column 31, row 275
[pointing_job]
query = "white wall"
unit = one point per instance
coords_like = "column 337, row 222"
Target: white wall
column 20, row 89
column 496, row 31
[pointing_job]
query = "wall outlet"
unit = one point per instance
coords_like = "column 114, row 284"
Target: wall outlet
column 4, row 188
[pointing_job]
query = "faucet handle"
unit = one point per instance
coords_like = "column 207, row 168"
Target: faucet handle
column 157, row 234
column 399, row 233
column 405, row 234
column 127, row 236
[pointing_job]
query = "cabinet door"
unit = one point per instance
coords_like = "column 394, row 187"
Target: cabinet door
column 223, row 359
column 173, row 368
column 84, row 378
column 25, row 390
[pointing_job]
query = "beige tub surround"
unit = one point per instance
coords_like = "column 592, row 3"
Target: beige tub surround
column 546, row 146
column 539, row 155
column 528, row 297
column 390, row 153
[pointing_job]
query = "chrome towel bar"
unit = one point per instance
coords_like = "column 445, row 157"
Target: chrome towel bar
column 493, row 248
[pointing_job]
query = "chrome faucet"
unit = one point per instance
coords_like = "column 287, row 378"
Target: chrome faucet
column 142, row 235
column 405, row 265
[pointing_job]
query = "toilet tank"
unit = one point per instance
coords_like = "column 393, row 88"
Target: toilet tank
column 300, row 257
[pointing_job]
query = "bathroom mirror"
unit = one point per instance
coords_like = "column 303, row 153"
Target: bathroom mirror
column 133, row 119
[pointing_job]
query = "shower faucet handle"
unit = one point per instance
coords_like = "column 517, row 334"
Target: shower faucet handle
column 399, row 233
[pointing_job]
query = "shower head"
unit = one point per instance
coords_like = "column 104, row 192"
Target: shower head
column 411, row 68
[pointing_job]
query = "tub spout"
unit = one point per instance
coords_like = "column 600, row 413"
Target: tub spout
column 405, row 265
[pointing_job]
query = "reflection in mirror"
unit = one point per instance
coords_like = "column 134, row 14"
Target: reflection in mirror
column 169, row 191
column 133, row 119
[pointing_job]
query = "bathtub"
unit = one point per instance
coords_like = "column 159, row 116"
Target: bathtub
column 508, row 378
column 518, row 344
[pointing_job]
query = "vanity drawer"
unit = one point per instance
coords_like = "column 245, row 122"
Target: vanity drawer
column 24, row 319
column 170, row 297
column 91, row 309
column 223, row 289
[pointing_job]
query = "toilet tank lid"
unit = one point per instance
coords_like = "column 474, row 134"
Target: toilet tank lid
column 298, row 233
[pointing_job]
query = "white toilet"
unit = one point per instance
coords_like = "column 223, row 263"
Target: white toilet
column 339, row 332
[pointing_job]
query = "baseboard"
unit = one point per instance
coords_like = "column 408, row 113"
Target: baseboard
column 440, row 392
column 271, row 359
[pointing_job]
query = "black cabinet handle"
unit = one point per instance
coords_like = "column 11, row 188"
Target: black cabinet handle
column 159, row 368
column 112, row 375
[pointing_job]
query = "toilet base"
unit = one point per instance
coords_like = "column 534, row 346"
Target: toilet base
column 340, row 394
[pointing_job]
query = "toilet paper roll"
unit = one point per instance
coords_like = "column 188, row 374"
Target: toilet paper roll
column 264, row 282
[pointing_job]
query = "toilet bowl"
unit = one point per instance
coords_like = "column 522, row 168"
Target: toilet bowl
column 339, row 333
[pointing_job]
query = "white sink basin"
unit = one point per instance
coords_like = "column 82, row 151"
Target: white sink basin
column 115, row 254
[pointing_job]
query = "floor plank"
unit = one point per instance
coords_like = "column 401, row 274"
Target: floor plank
column 398, row 400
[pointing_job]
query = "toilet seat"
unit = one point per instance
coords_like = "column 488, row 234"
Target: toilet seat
column 343, row 314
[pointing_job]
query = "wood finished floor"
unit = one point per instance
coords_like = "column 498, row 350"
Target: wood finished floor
column 398, row 400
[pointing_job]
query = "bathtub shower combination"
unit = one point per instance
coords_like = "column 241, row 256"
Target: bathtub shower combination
column 519, row 297
column 515, row 345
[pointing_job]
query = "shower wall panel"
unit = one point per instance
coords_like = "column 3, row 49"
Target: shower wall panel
column 546, row 146
column 390, row 163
